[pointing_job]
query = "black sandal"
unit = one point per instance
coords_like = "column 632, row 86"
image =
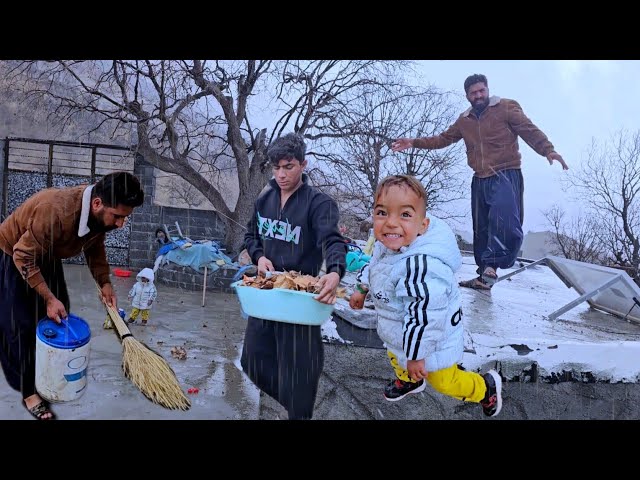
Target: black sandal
column 476, row 284
column 489, row 276
column 40, row 410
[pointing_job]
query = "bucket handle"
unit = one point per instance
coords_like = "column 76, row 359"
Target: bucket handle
column 65, row 322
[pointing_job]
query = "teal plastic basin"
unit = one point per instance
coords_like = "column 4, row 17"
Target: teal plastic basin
column 282, row 305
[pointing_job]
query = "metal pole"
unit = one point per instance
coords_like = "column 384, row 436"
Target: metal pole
column 584, row 297
column 204, row 285
column 50, row 167
column 5, row 179
column 511, row 274
column 93, row 165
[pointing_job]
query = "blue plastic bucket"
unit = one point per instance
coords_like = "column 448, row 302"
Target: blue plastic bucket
column 282, row 305
column 62, row 357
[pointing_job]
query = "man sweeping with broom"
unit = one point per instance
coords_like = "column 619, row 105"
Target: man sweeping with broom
column 51, row 225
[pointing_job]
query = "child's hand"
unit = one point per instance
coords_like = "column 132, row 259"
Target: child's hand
column 416, row 369
column 356, row 300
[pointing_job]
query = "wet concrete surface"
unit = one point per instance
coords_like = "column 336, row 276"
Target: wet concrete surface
column 581, row 366
column 353, row 380
column 354, row 375
column 212, row 337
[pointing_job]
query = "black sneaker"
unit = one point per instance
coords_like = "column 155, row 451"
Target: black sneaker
column 492, row 402
column 399, row 389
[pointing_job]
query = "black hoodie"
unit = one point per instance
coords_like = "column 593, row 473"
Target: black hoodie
column 300, row 235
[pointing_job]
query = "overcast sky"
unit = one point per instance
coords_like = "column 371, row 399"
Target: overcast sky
column 571, row 101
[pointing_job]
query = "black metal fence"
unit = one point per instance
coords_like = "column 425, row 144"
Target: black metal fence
column 33, row 164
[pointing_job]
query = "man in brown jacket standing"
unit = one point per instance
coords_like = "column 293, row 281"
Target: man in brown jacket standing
column 51, row 225
column 490, row 129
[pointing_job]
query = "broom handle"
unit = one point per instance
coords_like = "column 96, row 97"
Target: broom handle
column 121, row 327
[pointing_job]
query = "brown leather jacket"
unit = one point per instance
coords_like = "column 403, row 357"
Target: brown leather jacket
column 492, row 140
column 49, row 225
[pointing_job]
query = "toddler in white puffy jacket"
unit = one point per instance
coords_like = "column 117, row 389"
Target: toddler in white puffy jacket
column 411, row 277
column 142, row 295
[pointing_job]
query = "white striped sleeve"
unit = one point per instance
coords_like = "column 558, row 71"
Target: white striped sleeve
column 363, row 275
column 417, row 293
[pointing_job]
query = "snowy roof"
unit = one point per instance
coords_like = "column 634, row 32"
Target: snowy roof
column 510, row 325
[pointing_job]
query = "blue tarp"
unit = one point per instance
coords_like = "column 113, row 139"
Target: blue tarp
column 197, row 256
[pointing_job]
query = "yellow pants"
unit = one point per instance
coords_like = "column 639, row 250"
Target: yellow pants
column 451, row 381
column 135, row 311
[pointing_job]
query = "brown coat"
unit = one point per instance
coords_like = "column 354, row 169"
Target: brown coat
column 47, row 226
column 492, row 141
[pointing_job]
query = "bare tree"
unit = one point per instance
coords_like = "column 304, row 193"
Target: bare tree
column 361, row 155
column 184, row 193
column 608, row 184
column 189, row 114
column 575, row 238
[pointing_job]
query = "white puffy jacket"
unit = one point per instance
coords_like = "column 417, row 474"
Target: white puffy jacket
column 143, row 293
column 416, row 297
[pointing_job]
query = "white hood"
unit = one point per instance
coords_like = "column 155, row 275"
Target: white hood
column 146, row 273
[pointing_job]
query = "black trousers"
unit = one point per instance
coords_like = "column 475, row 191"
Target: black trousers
column 20, row 310
column 285, row 361
column 497, row 209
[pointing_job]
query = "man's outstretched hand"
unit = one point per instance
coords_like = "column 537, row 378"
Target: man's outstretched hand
column 401, row 144
column 557, row 157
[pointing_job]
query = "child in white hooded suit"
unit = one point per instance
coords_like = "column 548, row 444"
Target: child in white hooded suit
column 142, row 295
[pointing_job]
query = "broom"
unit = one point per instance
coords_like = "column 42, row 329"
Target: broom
column 147, row 369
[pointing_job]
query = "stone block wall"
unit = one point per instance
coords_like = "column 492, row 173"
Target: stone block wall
column 195, row 224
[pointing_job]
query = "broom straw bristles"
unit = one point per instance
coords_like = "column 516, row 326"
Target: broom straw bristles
column 147, row 369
